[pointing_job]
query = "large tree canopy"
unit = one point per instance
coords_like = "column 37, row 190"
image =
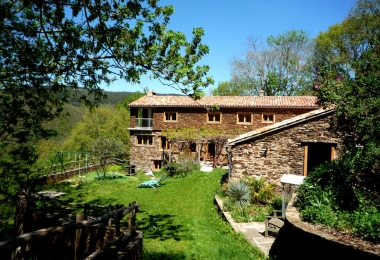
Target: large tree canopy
column 279, row 67
column 229, row 88
column 345, row 42
column 348, row 79
column 49, row 48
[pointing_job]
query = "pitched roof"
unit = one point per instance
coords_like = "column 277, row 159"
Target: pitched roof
column 280, row 125
column 228, row 101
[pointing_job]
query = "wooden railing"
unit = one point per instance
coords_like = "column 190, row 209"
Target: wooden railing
column 24, row 241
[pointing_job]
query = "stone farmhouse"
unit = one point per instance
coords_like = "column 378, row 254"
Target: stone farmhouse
column 238, row 117
column 292, row 146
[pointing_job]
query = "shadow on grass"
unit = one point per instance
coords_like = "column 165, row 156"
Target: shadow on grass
column 147, row 255
column 160, row 226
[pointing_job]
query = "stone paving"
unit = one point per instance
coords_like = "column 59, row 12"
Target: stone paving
column 253, row 231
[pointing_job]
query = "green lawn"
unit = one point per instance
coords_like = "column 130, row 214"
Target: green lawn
column 179, row 219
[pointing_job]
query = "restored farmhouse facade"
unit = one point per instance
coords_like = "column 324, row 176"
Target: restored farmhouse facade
column 292, row 146
column 152, row 114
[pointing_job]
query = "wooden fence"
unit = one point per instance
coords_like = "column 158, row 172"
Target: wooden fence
column 73, row 240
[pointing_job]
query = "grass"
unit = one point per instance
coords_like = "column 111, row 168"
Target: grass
column 179, row 219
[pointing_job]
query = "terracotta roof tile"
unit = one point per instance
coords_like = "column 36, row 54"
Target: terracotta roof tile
column 227, row 101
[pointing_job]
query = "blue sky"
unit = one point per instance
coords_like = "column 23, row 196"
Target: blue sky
column 227, row 25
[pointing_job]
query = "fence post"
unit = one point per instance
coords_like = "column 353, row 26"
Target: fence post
column 117, row 219
column 78, row 234
column 110, row 209
column 132, row 216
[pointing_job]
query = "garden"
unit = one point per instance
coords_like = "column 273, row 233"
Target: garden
column 178, row 219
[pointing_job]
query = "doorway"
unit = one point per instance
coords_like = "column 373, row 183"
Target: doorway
column 210, row 149
column 317, row 153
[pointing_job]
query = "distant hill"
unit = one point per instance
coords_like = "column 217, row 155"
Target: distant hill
column 112, row 97
column 76, row 111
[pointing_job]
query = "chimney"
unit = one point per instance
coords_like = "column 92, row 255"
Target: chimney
column 151, row 93
column 261, row 93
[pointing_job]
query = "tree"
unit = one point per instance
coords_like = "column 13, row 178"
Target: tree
column 130, row 98
column 347, row 77
column 50, row 49
column 357, row 109
column 278, row 68
column 345, row 42
column 228, row 88
column 106, row 148
column 103, row 122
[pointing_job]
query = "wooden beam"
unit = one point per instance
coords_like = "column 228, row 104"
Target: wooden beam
column 332, row 153
column 305, row 158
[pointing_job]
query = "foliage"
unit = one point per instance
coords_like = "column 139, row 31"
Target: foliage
column 335, row 196
column 105, row 148
column 53, row 52
column 104, row 122
column 239, row 192
column 346, row 42
column 228, row 88
column 261, row 192
column 357, row 108
column 247, row 213
column 181, row 138
column 183, row 167
column 278, row 68
column 338, row 177
column 344, row 193
column 276, row 202
column 129, row 99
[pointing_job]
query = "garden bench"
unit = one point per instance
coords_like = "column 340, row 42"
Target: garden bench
column 274, row 223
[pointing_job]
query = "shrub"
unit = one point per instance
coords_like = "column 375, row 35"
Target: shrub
column 261, row 192
column 184, row 166
column 239, row 192
column 333, row 195
column 276, row 203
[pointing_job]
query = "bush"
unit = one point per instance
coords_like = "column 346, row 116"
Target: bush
column 239, row 192
column 184, row 166
column 261, row 192
column 334, row 196
column 276, row 203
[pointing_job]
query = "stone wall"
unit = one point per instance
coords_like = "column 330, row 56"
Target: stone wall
column 142, row 155
column 281, row 152
column 197, row 117
column 297, row 240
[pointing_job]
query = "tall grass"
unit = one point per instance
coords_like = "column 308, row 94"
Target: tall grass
column 179, row 219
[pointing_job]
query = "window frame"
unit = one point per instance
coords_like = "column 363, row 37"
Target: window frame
column 156, row 163
column 143, row 137
column 268, row 115
column 171, row 113
column 166, row 143
column 214, row 122
column 245, row 117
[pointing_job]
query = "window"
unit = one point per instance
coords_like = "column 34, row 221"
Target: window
column 164, row 143
column 214, row 118
column 268, row 118
column 144, row 140
column 193, row 147
column 245, row 119
column 170, row 116
column 156, row 165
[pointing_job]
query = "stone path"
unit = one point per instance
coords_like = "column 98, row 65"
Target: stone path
column 253, row 231
column 207, row 167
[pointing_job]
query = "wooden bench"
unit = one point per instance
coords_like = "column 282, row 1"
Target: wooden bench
column 274, row 223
